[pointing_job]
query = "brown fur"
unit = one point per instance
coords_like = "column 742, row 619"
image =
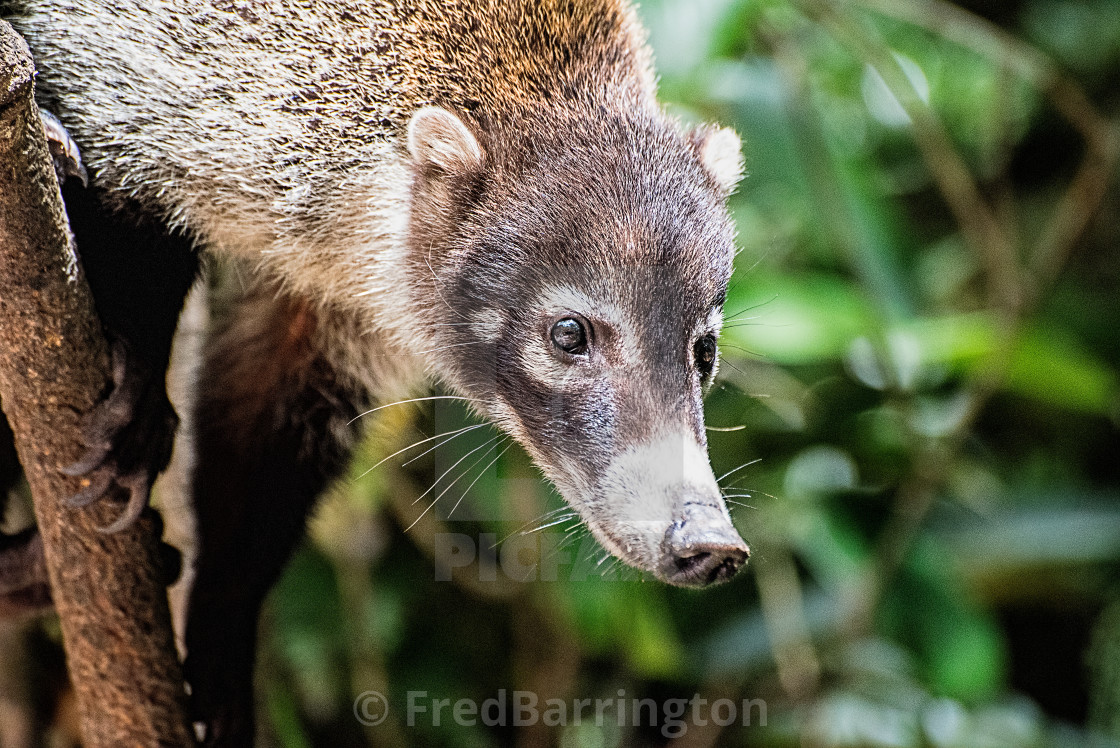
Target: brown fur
column 302, row 107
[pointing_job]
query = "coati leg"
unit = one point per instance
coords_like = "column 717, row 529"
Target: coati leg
column 24, row 586
column 272, row 427
column 139, row 274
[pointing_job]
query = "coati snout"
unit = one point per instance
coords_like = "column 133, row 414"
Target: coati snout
column 668, row 477
column 582, row 281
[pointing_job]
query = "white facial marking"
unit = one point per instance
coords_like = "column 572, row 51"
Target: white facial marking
column 486, row 325
column 539, row 363
column 714, row 321
column 643, row 491
column 536, row 355
column 648, row 479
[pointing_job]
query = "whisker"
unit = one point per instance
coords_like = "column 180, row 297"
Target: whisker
column 757, row 324
column 744, row 350
column 477, row 477
column 752, row 307
column 436, row 482
column 594, row 552
column 754, row 492
column 571, row 534
column 745, row 464
column 491, row 443
column 450, row 435
column 430, row 449
column 466, row 471
column 724, row 361
column 725, row 429
column 546, row 515
column 562, row 520
column 404, row 402
column 617, row 567
column 565, row 540
column 748, row 270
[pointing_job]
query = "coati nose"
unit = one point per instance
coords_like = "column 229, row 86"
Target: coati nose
column 702, row 548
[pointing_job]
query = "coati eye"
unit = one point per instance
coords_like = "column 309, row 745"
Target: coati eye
column 570, row 336
column 704, row 351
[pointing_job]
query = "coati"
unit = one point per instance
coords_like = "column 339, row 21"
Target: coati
column 483, row 192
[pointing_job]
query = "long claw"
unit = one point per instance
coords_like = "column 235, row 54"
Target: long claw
column 119, row 354
column 128, row 435
column 93, row 458
column 119, row 409
column 139, row 489
column 97, row 488
column 64, row 151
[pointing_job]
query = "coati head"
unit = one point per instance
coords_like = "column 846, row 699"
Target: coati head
column 575, row 270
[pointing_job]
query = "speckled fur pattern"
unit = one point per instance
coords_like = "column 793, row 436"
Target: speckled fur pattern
column 273, row 130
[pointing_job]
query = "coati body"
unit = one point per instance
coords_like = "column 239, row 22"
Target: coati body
column 484, row 192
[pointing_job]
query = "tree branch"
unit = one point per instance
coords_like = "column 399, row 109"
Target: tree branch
column 53, row 368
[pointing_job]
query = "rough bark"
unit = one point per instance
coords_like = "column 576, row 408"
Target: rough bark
column 53, row 368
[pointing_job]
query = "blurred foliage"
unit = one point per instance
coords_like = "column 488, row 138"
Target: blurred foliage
column 918, row 410
column 918, row 413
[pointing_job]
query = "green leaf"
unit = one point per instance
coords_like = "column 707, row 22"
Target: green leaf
column 802, row 320
column 1052, row 367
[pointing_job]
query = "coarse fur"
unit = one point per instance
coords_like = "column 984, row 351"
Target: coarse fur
column 410, row 190
column 301, row 108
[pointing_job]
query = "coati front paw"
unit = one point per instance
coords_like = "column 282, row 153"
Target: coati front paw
column 128, row 437
column 64, row 151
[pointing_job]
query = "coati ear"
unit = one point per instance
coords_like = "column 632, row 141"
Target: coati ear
column 438, row 138
column 721, row 154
